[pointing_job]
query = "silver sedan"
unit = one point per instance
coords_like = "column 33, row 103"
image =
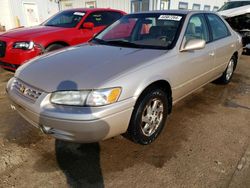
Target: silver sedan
column 127, row 78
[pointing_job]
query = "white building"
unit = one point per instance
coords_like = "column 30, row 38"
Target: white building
column 15, row 13
column 145, row 5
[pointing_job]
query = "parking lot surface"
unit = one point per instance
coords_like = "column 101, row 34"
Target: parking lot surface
column 205, row 143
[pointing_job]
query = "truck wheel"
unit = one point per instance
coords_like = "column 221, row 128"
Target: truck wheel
column 228, row 73
column 246, row 51
column 53, row 47
column 149, row 116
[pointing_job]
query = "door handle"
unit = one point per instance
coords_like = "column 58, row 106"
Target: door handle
column 211, row 53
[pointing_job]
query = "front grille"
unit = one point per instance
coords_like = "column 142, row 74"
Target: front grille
column 26, row 90
column 8, row 65
column 2, row 48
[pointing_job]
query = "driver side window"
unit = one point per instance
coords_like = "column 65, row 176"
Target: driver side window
column 197, row 28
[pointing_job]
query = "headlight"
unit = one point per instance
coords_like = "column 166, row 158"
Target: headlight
column 103, row 97
column 24, row 45
column 86, row 98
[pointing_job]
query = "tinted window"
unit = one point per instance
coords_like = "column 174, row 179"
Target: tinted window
column 66, row 19
column 103, row 18
column 197, row 28
column 112, row 17
column 218, row 27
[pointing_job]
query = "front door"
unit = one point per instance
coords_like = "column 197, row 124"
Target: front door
column 194, row 67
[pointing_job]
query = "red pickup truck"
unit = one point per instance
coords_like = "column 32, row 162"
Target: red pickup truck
column 69, row 27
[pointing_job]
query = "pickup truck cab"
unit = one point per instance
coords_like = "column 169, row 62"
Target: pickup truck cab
column 237, row 14
column 69, row 27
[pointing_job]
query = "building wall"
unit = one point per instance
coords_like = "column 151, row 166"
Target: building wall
column 12, row 12
column 174, row 4
column 116, row 4
column 45, row 9
column 5, row 14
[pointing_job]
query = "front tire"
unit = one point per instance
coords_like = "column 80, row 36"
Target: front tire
column 53, row 47
column 228, row 73
column 149, row 116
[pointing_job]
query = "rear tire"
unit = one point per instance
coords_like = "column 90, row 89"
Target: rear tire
column 148, row 117
column 228, row 73
column 53, row 47
column 246, row 51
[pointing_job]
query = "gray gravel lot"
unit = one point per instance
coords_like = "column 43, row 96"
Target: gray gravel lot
column 204, row 144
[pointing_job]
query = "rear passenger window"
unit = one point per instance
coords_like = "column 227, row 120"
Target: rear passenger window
column 113, row 16
column 197, row 28
column 218, row 27
column 103, row 18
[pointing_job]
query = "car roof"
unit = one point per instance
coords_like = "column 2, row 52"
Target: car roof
column 183, row 12
column 93, row 9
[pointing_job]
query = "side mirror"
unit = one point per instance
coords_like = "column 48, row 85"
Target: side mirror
column 88, row 25
column 193, row 44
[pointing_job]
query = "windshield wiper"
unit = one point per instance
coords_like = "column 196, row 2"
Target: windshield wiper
column 99, row 41
column 122, row 43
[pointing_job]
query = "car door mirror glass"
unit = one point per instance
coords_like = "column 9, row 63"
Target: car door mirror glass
column 88, row 25
column 194, row 44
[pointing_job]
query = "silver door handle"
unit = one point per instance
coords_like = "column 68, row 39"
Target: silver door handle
column 211, row 53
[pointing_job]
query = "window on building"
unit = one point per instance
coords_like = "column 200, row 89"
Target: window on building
column 139, row 5
column 196, row 6
column 90, row 4
column 215, row 9
column 218, row 27
column 207, row 7
column 183, row 5
column 164, row 4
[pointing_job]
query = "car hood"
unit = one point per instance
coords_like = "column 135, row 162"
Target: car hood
column 86, row 66
column 235, row 11
column 27, row 33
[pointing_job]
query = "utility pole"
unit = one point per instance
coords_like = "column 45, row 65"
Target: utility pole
column 58, row 3
column 169, row 4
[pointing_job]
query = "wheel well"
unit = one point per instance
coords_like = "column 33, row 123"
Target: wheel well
column 165, row 86
column 236, row 59
column 58, row 42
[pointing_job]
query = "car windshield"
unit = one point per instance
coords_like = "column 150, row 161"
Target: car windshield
column 68, row 19
column 234, row 4
column 149, row 30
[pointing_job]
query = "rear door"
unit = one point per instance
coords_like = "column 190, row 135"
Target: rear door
column 223, row 42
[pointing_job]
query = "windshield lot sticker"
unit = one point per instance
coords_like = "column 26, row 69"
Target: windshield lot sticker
column 79, row 13
column 170, row 17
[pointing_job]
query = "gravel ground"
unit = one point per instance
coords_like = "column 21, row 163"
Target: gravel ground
column 204, row 144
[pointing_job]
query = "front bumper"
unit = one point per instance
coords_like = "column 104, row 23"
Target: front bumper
column 77, row 124
column 13, row 58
